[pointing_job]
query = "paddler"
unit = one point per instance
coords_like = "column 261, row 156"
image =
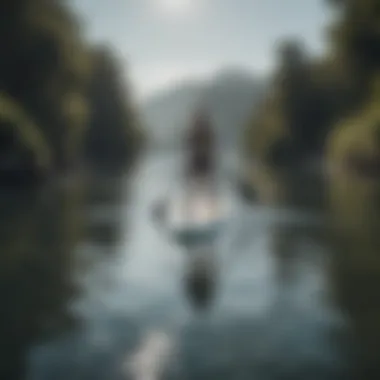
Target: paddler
column 200, row 147
column 200, row 151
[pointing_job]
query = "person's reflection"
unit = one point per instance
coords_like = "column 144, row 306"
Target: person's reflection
column 37, row 236
column 355, row 271
column 200, row 277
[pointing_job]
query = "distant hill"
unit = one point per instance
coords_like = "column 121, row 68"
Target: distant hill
column 230, row 96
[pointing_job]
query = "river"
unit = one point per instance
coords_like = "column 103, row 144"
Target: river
column 89, row 282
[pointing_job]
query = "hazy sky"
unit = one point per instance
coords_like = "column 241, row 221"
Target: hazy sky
column 163, row 41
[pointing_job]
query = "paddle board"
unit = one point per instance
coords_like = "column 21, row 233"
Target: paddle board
column 193, row 217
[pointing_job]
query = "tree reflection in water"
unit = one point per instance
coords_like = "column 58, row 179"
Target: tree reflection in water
column 349, row 238
column 301, row 253
column 104, row 214
column 355, row 270
column 40, row 236
column 39, row 231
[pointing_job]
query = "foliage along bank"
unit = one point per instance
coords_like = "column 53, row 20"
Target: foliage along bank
column 325, row 105
column 59, row 96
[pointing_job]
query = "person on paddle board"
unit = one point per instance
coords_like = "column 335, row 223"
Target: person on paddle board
column 200, row 151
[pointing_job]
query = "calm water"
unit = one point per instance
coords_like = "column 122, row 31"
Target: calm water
column 291, row 290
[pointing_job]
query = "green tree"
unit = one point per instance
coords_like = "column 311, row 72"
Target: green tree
column 354, row 143
column 310, row 97
column 19, row 136
column 113, row 135
column 59, row 94
column 355, row 40
column 43, row 68
column 289, row 122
